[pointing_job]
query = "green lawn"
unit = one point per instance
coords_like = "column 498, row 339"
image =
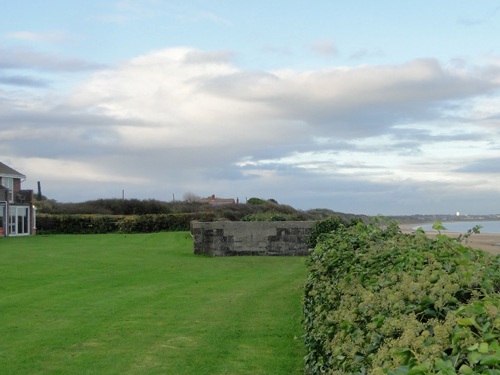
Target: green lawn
column 144, row 304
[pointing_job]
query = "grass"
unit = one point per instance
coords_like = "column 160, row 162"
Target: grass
column 144, row 304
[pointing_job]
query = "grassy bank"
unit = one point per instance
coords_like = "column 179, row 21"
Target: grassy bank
column 144, row 304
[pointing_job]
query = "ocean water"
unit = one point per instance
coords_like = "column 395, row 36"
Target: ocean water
column 464, row 226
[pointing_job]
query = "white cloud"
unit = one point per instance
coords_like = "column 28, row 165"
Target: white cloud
column 324, row 47
column 52, row 37
column 192, row 120
column 61, row 170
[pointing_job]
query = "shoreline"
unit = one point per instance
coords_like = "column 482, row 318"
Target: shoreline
column 489, row 242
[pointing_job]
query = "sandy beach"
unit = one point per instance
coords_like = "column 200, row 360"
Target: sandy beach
column 484, row 241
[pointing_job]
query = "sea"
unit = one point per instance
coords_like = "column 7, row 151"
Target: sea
column 464, row 226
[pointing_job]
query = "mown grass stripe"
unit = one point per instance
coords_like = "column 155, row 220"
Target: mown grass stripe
column 128, row 304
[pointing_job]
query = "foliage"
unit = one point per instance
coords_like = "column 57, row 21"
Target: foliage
column 233, row 212
column 378, row 301
column 94, row 224
column 46, row 206
column 265, row 216
column 324, row 213
column 325, row 226
column 117, row 207
column 158, row 223
column 254, row 200
column 77, row 224
column 271, row 216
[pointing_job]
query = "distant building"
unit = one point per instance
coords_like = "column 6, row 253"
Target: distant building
column 17, row 213
column 214, row 201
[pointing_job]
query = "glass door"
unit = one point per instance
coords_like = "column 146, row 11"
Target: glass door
column 19, row 220
column 12, row 221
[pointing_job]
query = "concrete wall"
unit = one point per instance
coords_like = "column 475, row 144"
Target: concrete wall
column 223, row 238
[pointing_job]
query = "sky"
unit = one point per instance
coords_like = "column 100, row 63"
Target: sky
column 366, row 107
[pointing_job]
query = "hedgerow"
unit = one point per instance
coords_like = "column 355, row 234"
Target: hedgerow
column 378, row 301
column 98, row 224
column 158, row 223
column 77, row 224
column 327, row 225
column 272, row 216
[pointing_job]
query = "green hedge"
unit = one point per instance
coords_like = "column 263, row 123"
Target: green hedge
column 98, row 224
column 271, row 216
column 325, row 226
column 381, row 302
column 76, row 224
column 158, row 223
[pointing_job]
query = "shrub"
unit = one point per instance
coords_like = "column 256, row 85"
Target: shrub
column 158, row 223
column 325, row 226
column 256, row 201
column 269, row 216
column 381, row 302
column 76, row 224
column 233, row 212
column 96, row 224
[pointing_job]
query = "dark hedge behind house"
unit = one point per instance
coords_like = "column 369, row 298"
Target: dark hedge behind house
column 99, row 224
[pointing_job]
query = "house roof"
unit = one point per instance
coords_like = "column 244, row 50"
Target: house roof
column 6, row 170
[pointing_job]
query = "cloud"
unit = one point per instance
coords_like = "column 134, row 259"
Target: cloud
column 324, row 47
column 212, row 17
column 129, row 11
column 489, row 165
column 53, row 37
column 174, row 90
column 28, row 58
column 126, row 11
column 22, row 80
column 353, row 102
column 182, row 119
column 471, row 21
column 365, row 53
column 277, row 50
column 201, row 57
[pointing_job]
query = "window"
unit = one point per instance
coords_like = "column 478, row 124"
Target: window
column 8, row 182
